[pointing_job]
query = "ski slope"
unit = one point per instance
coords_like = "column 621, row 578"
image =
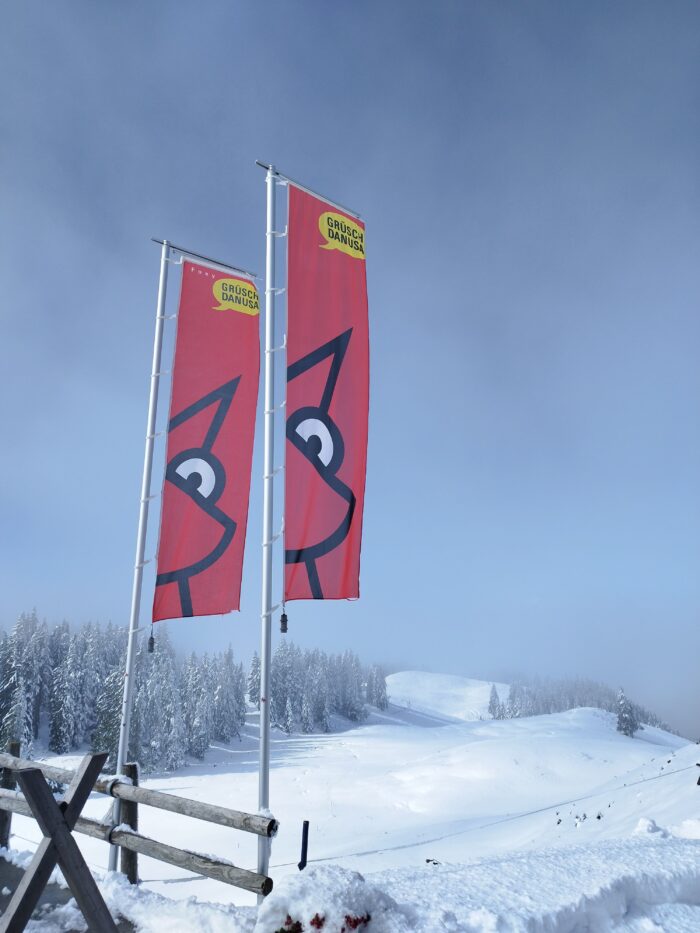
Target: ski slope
column 437, row 820
column 442, row 694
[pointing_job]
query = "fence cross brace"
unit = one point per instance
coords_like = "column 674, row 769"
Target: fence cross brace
column 56, row 822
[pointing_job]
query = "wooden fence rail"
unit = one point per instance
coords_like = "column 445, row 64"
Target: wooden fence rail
column 131, row 841
column 224, row 816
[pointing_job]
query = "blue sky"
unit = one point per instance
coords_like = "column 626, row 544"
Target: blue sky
column 528, row 174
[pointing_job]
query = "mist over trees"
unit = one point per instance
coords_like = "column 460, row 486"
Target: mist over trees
column 540, row 696
column 70, row 685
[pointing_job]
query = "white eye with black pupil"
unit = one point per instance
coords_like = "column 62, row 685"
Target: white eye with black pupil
column 199, row 473
column 312, row 427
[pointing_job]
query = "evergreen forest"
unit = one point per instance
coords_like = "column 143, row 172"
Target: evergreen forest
column 66, row 688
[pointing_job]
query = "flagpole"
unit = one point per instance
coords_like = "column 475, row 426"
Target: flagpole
column 268, row 470
column 128, row 698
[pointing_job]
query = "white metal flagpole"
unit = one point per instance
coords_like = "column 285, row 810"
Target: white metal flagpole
column 268, row 477
column 128, row 697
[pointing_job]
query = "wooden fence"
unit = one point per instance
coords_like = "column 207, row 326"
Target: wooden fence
column 130, row 841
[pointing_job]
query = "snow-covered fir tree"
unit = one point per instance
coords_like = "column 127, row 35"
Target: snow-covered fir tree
column 21, row 690
column 228, row 717
column 254, row 682
column 307, row 719
column 318, row 690
column 199, row 703
column 108, row 710
column 6, row 685
column 157, row 708
column 288, row 724
column 17, row 721
column 376, row 687
column 280, row 683
column 495, row 710
column 239, row 694
column 627, row 722
column 515, row 704
column 95, row 671
column 351, row 704
column 60, row 729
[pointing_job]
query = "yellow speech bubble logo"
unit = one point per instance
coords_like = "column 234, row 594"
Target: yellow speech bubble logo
column 341, row 233
column 236, row 295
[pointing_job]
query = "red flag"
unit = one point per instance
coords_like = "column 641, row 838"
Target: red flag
column 327, row 400
column 210, row 445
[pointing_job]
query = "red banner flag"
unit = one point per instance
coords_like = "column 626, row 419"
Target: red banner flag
column 210, row 445
column 327, row 400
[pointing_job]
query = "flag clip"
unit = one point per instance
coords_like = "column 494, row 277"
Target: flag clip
column 271, row 411
column 282, row 346
column 275, row 537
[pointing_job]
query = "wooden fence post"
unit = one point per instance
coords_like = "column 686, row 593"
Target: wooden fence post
column 9, row 783
column 56, row 823
column 130, row 816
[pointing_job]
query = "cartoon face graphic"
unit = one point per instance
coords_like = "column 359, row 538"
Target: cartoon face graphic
column 317, row 437
column 200, row 475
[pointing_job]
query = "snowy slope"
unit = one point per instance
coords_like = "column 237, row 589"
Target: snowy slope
column 442, row 694
column 537, row 823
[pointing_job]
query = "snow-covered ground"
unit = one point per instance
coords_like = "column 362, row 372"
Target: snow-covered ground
column 550, row 823
column 442, row 694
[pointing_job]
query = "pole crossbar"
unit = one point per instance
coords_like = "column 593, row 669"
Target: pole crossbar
column 272, row 609
column 277, row 174
column 190, row 252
